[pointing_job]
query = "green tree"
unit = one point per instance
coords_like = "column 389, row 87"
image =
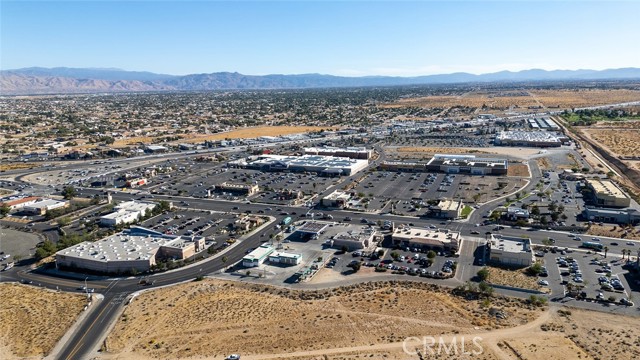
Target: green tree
column 431, row 254
column 4, row 210
column 69, row 192
column 534, row 269
column 485, row 288
column 535, row 210
column 356, row 266
column 483, row 274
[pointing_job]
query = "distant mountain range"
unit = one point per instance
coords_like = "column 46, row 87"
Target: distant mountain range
column 38, row 80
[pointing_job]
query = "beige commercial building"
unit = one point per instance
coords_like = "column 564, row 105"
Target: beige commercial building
column 42, row 206
column 422, row 238
column 337, row 199
column 511, row 251
column 608, row 194
column 447, row 209
column 136, row 249
column 364, row 238
column 245, row 189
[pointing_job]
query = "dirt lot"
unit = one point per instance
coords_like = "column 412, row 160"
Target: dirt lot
column 580, row 334
column 614, row 231
column 620, row 142
column 517, row 278
column 518, row 170
column 213, row 318
column 33, row 319
column 519, row 99
column 16, row 166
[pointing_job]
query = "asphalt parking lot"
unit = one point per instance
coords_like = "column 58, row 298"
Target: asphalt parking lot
column 591, row 272
column 214, row 226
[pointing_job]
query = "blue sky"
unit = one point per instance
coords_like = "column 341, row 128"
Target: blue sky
column 352, row 38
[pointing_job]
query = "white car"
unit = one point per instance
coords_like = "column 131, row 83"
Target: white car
column 543, row 283
column 233, row 357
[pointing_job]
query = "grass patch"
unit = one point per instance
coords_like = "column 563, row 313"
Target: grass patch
column 466, row 211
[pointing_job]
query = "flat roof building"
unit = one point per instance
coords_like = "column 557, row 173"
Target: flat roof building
column 611, row 215
column 403, row 166
column 323, row 165
column 337, row 199
column 363, row 238
column 127, row 212
column 511, row 250
column 42, row 206
column 422, row 238
column 446, row 209
column 285, row 258
column 469, row 164
column 608, row 194
column 258, row 256
column 19, row 203
column 246, row 189
column 135, row 249
column 530, row 138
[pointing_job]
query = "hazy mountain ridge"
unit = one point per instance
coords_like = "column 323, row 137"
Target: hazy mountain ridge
column 38, row 80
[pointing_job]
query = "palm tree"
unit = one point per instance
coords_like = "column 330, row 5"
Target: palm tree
column 606, row 249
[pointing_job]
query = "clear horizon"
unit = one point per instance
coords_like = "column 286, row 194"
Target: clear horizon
column 344, row 38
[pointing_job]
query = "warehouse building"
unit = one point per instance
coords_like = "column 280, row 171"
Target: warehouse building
column 136, row 249
column 323, row 165
column 422, row 238
column 127, row 212
column 349, row 152
column 530, row 138
column 468, row 164
column 608, row 194
column 258, row 256
column 244, row 189
column 42, row 206
column 337, row 199
column 511, row 251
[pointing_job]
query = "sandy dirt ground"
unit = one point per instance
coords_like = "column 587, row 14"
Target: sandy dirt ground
column 520, row 170
column 517, row 278
column 519, row 99
column 33, row 319
column 212, row 318
column 614, row 231
column 620, row 142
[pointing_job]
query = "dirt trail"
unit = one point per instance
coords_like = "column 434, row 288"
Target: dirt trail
column 489, row 338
